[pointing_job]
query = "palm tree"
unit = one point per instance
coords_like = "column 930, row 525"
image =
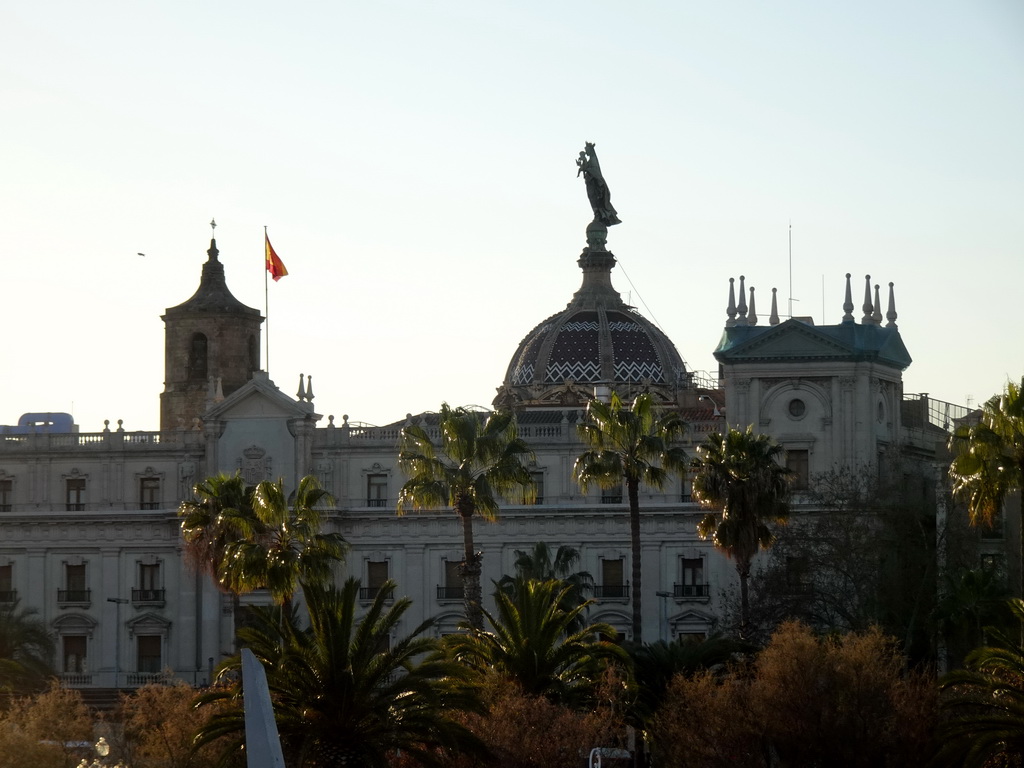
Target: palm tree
column 26, row 650
column 538, row 565
column 739, row 474
column 211, row 521
column 281, row 546
column 476, row 461
column 983, row 705
column 988, row 461
column 533, row 642
column 347, row 691
column 629, row 446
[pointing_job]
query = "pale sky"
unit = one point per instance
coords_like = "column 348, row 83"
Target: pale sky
column 414, row 163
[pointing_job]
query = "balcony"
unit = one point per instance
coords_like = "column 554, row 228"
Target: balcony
column 148, row 596
column 450, row 593
column 691, row 591
column 612, row 592
column 376, row 502
column 367, row 594
column 80, row 597
column 8, row 596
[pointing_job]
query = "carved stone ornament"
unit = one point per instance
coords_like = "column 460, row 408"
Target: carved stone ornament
column 255, row 465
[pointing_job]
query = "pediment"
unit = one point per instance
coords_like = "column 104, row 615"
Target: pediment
column 259, row 398
column 792, row 340
column 148, row 624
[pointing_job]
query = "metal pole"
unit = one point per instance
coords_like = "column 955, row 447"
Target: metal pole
column 118, row 601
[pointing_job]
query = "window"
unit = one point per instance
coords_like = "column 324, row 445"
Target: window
column 612, row 579
column 376, row 490
column 149, row 493
column 7, row 593
column 75, row 585
column 994, row 530
column 75, row 494
column 452, row 588
column 149, row 590
column 74, row 647
column 994, row 564
column 149, row 659
column 6, row 489
column 538, row 486
column 693, row 578
column 797, row 462
column 197, row 358
column 798, row 579
column 612, row 495
column 376, row 575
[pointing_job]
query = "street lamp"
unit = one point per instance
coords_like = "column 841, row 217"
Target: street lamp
column 118, row 601
column 717, row 413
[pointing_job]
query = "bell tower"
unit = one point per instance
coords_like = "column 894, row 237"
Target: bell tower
column 211, row 347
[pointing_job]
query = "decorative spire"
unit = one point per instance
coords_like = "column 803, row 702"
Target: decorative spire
column 848, row 303
column 866, row 320
column 876, row 316
column 773, row 319
column 890, row 315
column 309, row 388
column 213, row 252
column 752, row 317
column 301, row 394
column 731, row 309
column 743, row 304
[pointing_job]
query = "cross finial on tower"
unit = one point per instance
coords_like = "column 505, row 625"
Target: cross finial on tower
column 213, row 227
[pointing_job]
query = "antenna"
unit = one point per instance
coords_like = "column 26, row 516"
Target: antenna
column 791, row 268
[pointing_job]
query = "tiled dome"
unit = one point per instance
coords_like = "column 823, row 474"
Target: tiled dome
column 597, row 340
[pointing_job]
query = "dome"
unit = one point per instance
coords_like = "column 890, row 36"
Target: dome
column 596, row 341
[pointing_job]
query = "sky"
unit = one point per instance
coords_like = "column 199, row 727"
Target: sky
column 414, row 164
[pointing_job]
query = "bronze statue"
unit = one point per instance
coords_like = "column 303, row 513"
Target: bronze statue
column 597, row 188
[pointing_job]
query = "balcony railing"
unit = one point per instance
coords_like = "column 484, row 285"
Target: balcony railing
column 82, row 596
column 76, row 678
column 8, row 595
column 450, row 593
column 606, row 591
column 685, row 591
column 146, row 678
column 370, row 593
column 148, row 595
column 376, row 502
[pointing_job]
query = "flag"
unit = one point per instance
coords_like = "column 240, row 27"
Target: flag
column 274, row 264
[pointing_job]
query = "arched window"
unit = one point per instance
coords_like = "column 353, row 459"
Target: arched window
column 197, row 358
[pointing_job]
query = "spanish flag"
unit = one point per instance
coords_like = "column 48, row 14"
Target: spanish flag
column 274, row 264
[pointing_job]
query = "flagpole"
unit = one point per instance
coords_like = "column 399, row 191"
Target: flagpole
column 266, row 300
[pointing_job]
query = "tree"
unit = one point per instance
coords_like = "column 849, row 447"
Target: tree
column 281, row 546
column 349, row 691
column 476, row 462
column 211, row 522
column 538, row 565
column 739, row 474
column 988, row 461
column 532, row 643
column 26, row 650
column 46, row 730
column 983, row 705
column 629, row 446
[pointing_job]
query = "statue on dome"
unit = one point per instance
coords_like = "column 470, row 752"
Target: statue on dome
column 597, row 188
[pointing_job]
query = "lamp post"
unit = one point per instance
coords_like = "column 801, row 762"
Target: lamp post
column 118, row 601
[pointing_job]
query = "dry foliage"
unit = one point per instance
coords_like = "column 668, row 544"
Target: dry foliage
column 532, row 732
column 37, row 731
column 804, row 701
column 158, row 725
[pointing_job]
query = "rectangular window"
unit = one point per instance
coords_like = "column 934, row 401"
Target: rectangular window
column 798, row 462
column 73, row 647
column 613, row 582
column 149, row 660
column 7, row 594
column 75, row 590
column 149, row 589
column 376, row 575
column 75, row 494
column 6, row 491
column 452, row 588
column 693, row 584
column 376, row 490
column 149, row 493
column 538, row 486
column 798, row 577
column 611, row 495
